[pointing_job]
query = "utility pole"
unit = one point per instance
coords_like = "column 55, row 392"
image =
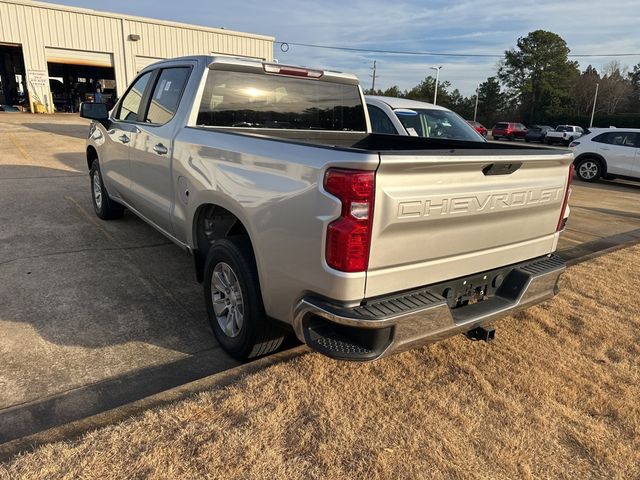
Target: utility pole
column 475, row 110
column 593, row 111
column 373, row 82
column 435, row 93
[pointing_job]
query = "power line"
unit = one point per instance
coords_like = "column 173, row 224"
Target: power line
column 284, row 46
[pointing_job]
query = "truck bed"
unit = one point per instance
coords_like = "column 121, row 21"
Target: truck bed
column 378, row 142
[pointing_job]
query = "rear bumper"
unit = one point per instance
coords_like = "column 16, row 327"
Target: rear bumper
column 402, row 321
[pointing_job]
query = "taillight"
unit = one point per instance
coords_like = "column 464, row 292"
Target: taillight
column 567, row 194
column 349, row 237
column 574, row 144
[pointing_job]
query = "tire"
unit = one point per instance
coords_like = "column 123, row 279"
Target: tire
column 589, row 169
column 105, row 208
column 235, row 290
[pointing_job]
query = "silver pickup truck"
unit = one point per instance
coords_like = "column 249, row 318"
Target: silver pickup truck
column 298, row 218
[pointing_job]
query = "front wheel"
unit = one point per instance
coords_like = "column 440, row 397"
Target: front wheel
column 234, row 303
column 105, row 208
column 589, row 170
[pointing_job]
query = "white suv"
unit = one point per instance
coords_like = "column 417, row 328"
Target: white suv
column 608, row 153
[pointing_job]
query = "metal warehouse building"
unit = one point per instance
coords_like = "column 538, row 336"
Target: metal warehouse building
column 52, row 57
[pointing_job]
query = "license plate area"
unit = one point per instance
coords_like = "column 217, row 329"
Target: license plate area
column 471, row 289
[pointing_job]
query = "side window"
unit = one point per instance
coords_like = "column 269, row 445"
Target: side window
column 630, row 139
column 624, row 139
column 602, row 138
column 380, row 123
column 131, row 101
column 166, row 95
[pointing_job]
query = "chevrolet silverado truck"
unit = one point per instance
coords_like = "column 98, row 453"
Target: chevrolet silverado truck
column 299, row 218
column 564, row 134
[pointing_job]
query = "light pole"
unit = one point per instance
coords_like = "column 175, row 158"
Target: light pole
column 435, row 93
column 593, row 111
column 475, row 110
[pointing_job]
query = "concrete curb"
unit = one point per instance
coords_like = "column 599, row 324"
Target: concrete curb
column 77, row 428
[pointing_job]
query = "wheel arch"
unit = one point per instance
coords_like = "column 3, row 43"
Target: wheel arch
column 599, row 158
column 213, row 222
column 92, row 154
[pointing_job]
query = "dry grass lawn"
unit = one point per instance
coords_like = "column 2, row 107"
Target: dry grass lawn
column 557, row 395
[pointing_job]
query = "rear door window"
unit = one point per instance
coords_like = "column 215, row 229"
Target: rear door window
column 166, row 95
column 624, row 139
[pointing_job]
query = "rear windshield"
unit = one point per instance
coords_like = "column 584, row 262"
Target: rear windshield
column 563, row 128
column 501, row 125
column 233, row 99
column 436, row 124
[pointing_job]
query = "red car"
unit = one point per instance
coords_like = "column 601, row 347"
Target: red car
column 508, row 130
column 478, row 127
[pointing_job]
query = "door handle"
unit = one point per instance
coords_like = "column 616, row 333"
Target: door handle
column 160, row 149
column 123, row 139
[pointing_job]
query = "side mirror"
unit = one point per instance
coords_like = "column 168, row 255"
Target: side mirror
column 94, row 111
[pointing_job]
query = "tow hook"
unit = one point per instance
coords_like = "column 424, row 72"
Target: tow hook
column 481, row 333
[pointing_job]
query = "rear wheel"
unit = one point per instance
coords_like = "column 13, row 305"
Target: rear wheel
column 105, row 208
column 234, row 303
column 589, row 169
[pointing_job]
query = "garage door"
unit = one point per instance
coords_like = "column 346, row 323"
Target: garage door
column 143, row 62
column 79, row 57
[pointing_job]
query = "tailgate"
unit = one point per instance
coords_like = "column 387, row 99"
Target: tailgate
column 444, row 215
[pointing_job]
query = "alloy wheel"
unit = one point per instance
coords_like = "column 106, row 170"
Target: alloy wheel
column 588, row 170
column 97, row 189
column 228, row 304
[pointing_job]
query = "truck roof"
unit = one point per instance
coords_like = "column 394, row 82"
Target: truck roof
column 247, row 64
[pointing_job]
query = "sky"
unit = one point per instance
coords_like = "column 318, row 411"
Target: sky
column 449, row 26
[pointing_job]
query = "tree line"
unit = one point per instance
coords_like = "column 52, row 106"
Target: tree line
column 537, row 83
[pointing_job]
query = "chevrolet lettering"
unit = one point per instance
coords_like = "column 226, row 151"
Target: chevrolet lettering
column 442, row 205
